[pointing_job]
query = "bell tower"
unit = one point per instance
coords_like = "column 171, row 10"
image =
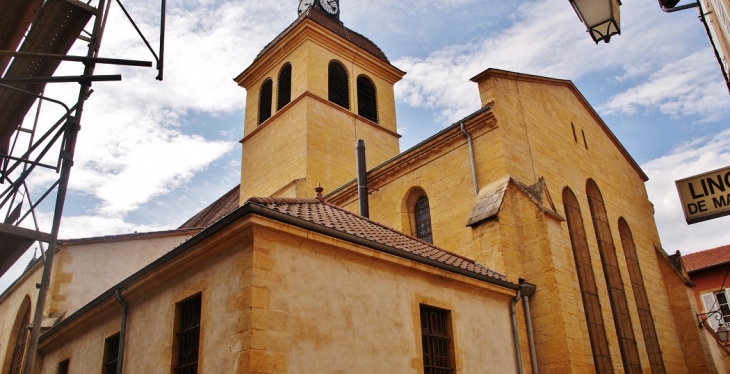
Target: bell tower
column 312, row 92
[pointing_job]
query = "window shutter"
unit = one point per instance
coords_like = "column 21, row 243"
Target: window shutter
column 710, row 304
column 338, row 86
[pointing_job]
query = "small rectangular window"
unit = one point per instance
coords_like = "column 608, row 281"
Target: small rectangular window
column 63, row 367
column 436, row 341
column 187, row 335
column 111, row 354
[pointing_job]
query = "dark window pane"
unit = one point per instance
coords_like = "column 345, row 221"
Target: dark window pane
column 111, row 354
column 63, row 367
column 423, row 220
column 435, row 340
column 16, row 361
column 188, row 335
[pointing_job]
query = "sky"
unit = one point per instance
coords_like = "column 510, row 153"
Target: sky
column 151, row 154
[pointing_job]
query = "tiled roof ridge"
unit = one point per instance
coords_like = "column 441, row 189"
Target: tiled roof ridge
column 707, row 258
column 289, row 200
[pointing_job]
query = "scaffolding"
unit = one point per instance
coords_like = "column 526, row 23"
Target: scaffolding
column 35, row 37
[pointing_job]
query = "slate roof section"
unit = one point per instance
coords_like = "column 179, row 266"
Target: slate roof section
column 706, row 259
column 332, row 25
column 215, row 211
column 339, row 219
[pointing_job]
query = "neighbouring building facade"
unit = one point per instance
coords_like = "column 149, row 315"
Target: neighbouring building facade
column 519, row 239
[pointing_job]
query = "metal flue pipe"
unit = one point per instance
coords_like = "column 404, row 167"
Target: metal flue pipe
column 362, row 179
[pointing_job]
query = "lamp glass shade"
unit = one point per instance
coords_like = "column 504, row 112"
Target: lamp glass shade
column 601, row 17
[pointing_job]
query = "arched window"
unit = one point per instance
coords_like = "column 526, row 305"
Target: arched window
column 642, row 302
column 283, row 91
column 20, row 336
column 616, row 293
column 423, row 220
column 587, row 283
column 337, row 85
column 265, row 100
column 367, row 103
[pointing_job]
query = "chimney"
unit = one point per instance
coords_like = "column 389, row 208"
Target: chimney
column 362, row 179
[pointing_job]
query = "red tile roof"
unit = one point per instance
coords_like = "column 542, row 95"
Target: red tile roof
column 708, row 258
column 339, row 219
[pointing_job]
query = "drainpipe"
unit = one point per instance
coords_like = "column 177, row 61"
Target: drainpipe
column 518, row 355
column 362, row 179
column 122, row 331
column 471, row 156
column 528, row 289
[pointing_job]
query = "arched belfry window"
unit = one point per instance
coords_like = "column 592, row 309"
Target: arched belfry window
column 19, row 339
column 616, row 293
column 642, row 301
column 587, row 283
column 265, row 100
column 367, row 103
column 283, row 89
column 337, row 85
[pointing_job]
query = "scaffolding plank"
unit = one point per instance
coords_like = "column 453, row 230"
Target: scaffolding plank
column 15, row 18
column 55, row 31
column 14, row 241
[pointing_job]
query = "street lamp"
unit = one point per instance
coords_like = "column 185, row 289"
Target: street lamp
column 601, row 17
column 722, row 333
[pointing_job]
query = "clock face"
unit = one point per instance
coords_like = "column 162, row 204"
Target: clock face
column 330, row 6
column 304, row 4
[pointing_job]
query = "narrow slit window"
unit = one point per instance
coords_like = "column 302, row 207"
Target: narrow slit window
column 283, row 93
column 187, row 335
column 338, row 86
column 436, row 341
column 587, row 283
column 575, row 137
column 111, row 354
column 616, row 291
column 265, row 100
column 367, row 104
column 585, row 143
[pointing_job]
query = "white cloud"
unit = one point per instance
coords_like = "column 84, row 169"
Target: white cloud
column 686, row 87
column 690, row 158
column 547, row 39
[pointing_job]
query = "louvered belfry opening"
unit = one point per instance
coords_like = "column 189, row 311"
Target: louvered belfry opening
column 616, row 292
column 337, row 85
column 642, row 301
column 265, row 100
column 587, row 283
column 367, row 104
column 111, row 354
column 283, row 92
column 436, row 341
column 188, row 335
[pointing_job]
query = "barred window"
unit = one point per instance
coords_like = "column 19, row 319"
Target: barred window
column 187, row 335
column 642, row 301
column 436, row 341
column 63, row 366
column 283, row 91
column 587, row 283
column 20, row 330
column 423, row 220
column 265, row 100
column 111, row 354
column 616, row 293
column 337, row 85
column 367, row 103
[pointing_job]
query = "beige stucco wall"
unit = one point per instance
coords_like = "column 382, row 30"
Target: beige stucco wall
column 82, row 270
column 279, row 299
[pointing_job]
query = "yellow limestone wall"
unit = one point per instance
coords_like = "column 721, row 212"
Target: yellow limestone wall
column 530, row 136
column 311, row 140
column 10, row 305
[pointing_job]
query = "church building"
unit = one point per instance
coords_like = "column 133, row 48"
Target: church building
column 520, row 239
